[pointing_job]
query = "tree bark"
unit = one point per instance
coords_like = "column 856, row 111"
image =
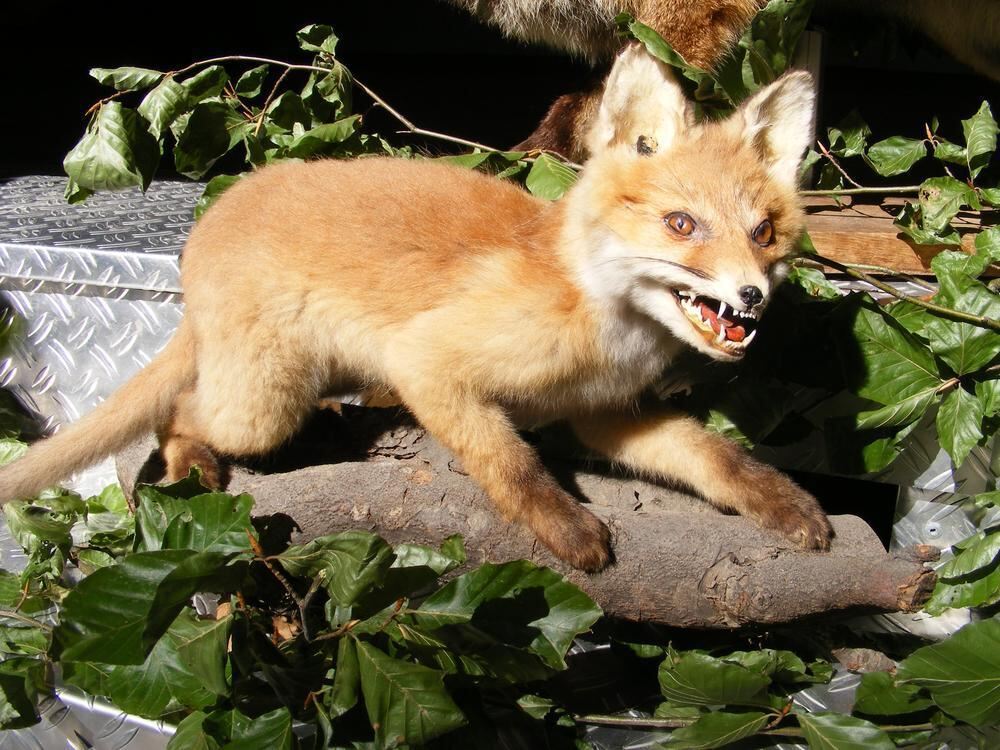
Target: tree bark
column 678, row 561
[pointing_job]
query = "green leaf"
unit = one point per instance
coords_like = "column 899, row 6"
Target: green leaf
column 214, row 521
column 549, row 178
column 317, row 37
column 17, row 694
column 127, row 79
column 982, row 551
column 191, row 735
column 518, row 603
column 814, row 282
column 11, row 450
column 718, row 729
column 270, row 731
column 941, row 198
column 832, row 731
column 406, row 703
column 320, row 139
column 250, row 82
column 909, row 221
column 962, row 673
column 899, row 414
column 215, row 187
column 447, row 558
column 988, row 243
column 212, row 129
column 117, row 614
column 205, row 84
column 980, row 139
column 289, row 111
column 24, row 640
column 329, row 95
column 75, row 194
column 990, row 196
column 466, row 649
column 965, row 347
column 983, row 591
column 988, row 393
column 895, row 155
column 912, row 317
column 163, row 105
column 879, row 695
column 351, row 562
column 695, row 679
column 950, row 152
column 958, row 424
column 850, row 136
column 117, row 151
column 896, row 366
column 346, row 680
column 185, row 668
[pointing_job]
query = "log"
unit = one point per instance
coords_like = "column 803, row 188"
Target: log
column 678, row 561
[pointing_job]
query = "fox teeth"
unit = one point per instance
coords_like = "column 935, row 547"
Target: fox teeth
column 721, row 335
column 748, row 339
column 722, row 309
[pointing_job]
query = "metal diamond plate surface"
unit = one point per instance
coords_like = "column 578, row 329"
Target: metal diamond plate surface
column 88, row 294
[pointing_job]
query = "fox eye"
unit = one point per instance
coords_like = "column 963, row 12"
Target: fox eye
column 763, row 235
column 680, row 222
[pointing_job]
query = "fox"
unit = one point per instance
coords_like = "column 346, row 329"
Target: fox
column 487, row 310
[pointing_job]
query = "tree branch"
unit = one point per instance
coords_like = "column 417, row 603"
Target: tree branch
column 945, row 312
column 678, row 562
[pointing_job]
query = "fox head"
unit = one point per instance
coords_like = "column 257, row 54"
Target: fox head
column 688, row 223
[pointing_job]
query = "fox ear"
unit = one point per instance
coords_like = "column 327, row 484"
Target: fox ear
column 642, row 108
column 778, row 122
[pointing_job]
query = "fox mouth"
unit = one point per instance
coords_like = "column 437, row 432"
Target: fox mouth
column 722, row 327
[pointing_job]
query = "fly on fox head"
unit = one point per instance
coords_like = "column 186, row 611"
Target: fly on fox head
column 688, row 223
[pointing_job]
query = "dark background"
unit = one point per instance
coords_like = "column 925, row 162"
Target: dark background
column 431, row 61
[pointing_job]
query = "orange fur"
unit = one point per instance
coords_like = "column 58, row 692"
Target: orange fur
column 483, row 308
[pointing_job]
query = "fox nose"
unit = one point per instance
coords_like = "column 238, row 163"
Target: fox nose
column 751, row 296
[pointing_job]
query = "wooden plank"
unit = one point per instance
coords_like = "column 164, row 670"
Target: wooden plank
column 864, row 233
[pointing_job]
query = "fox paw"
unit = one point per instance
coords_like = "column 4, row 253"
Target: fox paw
column 797, row 515
column 577, row 537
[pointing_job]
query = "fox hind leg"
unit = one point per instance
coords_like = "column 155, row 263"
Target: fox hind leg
column 235, row 410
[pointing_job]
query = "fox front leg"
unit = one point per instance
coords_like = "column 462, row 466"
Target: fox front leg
column 508, row 469
column 671, row 446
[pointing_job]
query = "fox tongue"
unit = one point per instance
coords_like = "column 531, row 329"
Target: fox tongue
column 736, row 333
column 733, row 331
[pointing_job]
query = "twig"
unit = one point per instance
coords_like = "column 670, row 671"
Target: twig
column 889, row 272
column 286, row 584
column 899, row 190
column 650, row 723
column 836, row 164
column 408, row 124
column 343, row 629
column 945, row 312
column 9, row 613
column 267, row 102
column 952, row 383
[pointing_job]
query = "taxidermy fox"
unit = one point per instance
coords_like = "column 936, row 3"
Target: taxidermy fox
column 486, row 309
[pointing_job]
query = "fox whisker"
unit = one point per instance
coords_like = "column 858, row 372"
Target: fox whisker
column 693, row 271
